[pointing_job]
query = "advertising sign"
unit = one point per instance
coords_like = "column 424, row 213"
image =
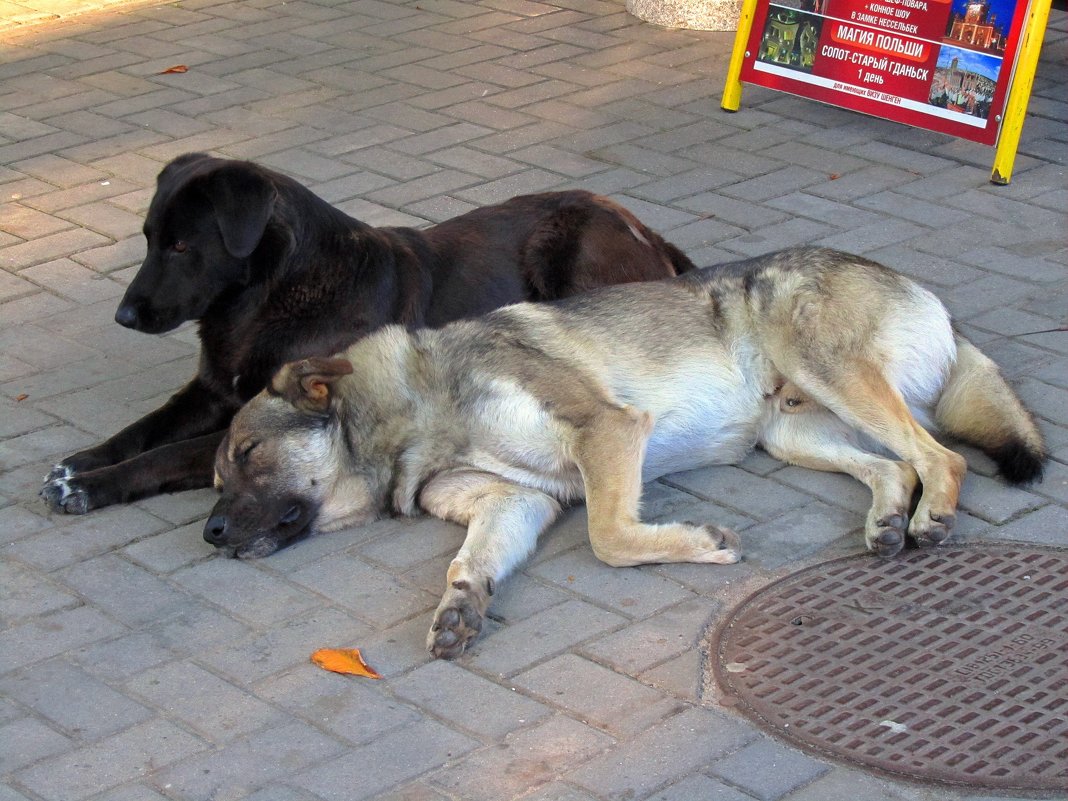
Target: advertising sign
column 944, row 65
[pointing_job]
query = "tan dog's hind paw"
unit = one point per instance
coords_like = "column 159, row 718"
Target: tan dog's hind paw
column 930, row 528
column 886, row 535
column 458, row 619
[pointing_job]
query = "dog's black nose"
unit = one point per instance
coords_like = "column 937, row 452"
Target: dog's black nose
column 126, row 316
column 215, row 530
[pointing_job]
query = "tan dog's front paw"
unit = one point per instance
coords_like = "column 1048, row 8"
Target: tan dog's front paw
column 726, row 545
column 458, row 620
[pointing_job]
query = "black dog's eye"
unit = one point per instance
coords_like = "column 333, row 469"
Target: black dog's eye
column 242, row 455
column 179, row 247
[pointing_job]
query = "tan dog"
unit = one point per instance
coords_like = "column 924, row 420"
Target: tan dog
column 495, row 422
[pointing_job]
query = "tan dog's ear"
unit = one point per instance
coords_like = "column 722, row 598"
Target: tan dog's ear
column 309, row 383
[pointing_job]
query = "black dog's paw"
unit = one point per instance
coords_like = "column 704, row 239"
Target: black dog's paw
column 458, row 620
column 58, row 472
column 65, row 494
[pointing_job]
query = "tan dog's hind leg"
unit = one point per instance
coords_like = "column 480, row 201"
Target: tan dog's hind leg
column 863, row 398
column 503, row 523
column 609, row 450
column 820, row 441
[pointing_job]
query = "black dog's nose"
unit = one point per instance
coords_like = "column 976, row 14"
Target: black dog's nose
column 126, row 316
column 215, row 529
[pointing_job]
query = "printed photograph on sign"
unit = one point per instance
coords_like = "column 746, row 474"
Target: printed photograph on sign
column 964, row 82
column 980, row 24
column 937, row 64
column 790, row 39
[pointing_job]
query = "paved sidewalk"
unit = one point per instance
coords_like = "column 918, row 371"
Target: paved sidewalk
column 135, row 666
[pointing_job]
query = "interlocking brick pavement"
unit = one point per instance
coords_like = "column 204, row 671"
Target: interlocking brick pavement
column 135, row 666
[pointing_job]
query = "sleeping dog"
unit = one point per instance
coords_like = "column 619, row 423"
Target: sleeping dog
column 273, row 273
column 494, row 423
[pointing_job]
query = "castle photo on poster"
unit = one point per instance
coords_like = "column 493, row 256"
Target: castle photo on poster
column 964, row 81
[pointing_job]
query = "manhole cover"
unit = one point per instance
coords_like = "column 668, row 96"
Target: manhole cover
column 944, row 665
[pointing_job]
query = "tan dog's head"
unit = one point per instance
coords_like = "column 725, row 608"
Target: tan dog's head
column 281, row 466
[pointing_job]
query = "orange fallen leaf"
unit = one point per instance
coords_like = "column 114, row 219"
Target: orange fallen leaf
column 835, row 176
column 344, row 660
column 21, row 397
column 175, row 68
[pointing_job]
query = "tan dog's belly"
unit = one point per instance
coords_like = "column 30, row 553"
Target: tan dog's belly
column 701, row 416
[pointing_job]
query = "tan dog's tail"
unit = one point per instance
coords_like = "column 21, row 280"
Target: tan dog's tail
column 978, row 406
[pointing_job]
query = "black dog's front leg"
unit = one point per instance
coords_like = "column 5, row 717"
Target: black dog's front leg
column 170, row 468
column 192, row 413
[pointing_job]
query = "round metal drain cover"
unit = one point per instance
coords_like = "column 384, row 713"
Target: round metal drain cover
column 947, row 665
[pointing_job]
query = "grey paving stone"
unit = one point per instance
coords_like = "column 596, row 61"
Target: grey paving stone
column 130, row 792
column 283, row 645
column 843, row 784
column 629, row 591
column 802, row 532
column 17, row 522
column 735, row 488
column 401, row 543
column 394, row 758
column 558, row 791
column 239, row 768
column 700, row 786
column 173, row 548
column 790, row 233
column 995, row 501
column 678, row 746
column 26, row 741
column 524, row 760
column 109, row 762
column 640, row 646
column 518, row 645
column 378, row 599
column 1046, row 526
column 769, row 770
column 357, row 711
column 81, row 706
column 116, row 658
column 243, row 591
column 467, row 701
column 499, row 190
column 74, row 542
column 27, row 593
column 739, row 213
column 208, row 705
column 596, row 695
column 69, row 279
column 680, row 676
column 867, row 238
column 49, row 635
column 110, row 582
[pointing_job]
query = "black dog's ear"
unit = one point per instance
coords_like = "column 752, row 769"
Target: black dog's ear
column 179, row 163
column 309, row 383
column 244, row 199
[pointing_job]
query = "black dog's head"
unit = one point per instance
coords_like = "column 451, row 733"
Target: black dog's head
column 207, row 217
column 283, row 469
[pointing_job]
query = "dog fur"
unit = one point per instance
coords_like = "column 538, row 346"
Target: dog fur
column 273, row 274
column 494, row 423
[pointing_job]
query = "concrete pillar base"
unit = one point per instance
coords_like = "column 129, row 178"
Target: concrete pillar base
column 696, row 15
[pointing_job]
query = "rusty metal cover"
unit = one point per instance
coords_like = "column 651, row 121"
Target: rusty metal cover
column 947, row 665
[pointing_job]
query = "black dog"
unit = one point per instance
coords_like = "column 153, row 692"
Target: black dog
column 274, row 273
